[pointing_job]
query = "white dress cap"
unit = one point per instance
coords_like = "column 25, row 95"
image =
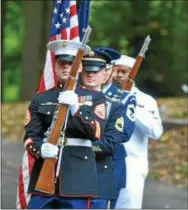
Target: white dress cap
column 125, row 61
column 66, row 47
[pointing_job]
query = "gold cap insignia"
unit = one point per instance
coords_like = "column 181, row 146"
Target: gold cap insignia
column 91, row 53
column 64, row 44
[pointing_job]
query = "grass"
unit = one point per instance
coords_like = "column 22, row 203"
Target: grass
column 175, row 107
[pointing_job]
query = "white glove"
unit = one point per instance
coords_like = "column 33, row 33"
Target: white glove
column 49, row 151
column 70, row 98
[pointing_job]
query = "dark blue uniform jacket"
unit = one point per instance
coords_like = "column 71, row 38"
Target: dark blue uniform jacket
column 129, row 105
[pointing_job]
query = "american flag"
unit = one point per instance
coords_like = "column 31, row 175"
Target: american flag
column 64, row 26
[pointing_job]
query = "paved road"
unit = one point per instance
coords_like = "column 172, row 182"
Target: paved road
column 156, row 196
column 169, row 124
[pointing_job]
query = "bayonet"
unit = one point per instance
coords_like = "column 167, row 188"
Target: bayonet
column 85, row 39
column 145, row 46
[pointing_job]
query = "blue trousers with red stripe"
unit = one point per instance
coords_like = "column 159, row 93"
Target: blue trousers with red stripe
column 50, row 202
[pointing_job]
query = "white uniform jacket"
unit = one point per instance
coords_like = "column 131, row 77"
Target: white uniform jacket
column 148, row 125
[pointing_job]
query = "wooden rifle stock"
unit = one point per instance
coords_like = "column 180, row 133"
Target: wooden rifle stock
column 46, row 179
column 136, row 67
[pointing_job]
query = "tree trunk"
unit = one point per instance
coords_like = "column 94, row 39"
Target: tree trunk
column 37, row 24
column 45, row 33
column 3, row 17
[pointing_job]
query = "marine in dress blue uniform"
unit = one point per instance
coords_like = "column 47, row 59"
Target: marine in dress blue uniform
column 81, row 130
column 129, row 102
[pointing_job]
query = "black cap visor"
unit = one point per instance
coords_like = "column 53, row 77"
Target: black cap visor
column 93, row 66
column 65, row 58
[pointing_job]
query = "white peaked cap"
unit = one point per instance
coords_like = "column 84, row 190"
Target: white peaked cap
column 66, row 47
column 125, row 61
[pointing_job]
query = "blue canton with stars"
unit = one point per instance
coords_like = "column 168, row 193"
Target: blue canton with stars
column 61, row 17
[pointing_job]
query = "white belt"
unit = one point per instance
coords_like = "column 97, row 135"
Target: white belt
column 78, row 142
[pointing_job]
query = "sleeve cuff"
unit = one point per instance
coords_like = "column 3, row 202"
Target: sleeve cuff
column 33, row 148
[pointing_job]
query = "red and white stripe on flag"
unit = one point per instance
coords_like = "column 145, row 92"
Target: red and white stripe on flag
column 48, row 81
column 23, row 197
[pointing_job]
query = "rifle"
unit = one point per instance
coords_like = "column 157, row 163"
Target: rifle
column 46, row 180
column 137, row 64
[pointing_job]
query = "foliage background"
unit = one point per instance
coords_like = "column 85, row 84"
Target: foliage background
column 122, row 25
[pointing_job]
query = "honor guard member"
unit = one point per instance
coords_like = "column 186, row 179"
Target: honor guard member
column 92, row 65
column 77, row 180
column 147, row 125
column 129, row 102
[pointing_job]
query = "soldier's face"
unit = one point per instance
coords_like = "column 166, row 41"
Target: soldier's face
column 121, row 74
column 109, row 75
column 63, row 70
column 93, row 80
